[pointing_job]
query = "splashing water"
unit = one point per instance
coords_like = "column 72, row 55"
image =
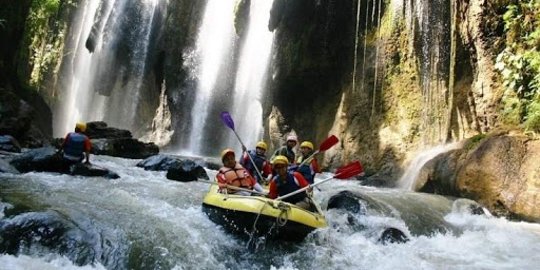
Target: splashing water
column 408, row 179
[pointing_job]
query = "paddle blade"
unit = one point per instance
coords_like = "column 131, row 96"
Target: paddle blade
column 349, row 170
column 329, row 142
column 227, row 119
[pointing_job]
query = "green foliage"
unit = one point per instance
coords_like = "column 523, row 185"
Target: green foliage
column 41, row 43
column 472, row 142
column 519, row 63
column 532, row 122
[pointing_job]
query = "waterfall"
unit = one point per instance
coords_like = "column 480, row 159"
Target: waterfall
column 214, row 43
column 357, row 28
column 105, row 74
column 408, row 179
column 378, row 45
column 365, row 46
column 69, row 113
column 251, row 75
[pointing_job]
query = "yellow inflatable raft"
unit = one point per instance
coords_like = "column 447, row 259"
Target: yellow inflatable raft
column 260, row 216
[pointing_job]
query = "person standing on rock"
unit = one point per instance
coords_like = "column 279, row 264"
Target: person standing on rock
column 76, row 146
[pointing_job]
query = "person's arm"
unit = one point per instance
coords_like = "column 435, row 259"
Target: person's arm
column 315, row 166
column 267, row 169
column 257, row 187
column 87, row 148
column 244, row 160
column 64, row 142
column 220, row 179
column 272, row 190
column 302, row 182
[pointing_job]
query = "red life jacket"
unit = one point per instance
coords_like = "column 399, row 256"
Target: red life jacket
column 237, row 176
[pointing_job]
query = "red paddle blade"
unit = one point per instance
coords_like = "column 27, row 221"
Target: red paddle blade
column 349, row 170
column 227, row 119
column 329, row 142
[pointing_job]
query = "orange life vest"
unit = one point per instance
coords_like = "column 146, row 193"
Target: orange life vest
column 237, row 176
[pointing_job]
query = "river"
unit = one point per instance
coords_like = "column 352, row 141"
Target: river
column 144, row 221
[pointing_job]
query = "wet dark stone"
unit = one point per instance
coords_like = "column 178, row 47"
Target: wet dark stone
column 42, row 233
column 347, row 201
column 185, row 171
column 100, row 130
column 392, row 235
column 9, row 143
column 124, row 147
column 43, row 159
column 6, row 167
column 46, row 159
column 91, row 170
column 159, row 163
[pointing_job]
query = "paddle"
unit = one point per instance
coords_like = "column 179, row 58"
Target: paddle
column 234, row 187
column 227, row 119
column 344, row 172
column 329, row 142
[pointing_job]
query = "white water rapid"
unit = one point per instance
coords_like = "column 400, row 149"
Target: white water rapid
column 144, row 221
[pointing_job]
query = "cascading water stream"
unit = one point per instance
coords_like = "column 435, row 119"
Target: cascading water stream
column 377, row 60
column 214, row 43
column 251, row 75
column 69, row 114
column 104, row 79
column 356, row 39
column 408, row 179
column 365, row 46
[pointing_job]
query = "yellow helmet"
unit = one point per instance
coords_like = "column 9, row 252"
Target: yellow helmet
column 306, row 144
column 226, row 152
column 262, row 145
column 81, row 126
column 280, row 160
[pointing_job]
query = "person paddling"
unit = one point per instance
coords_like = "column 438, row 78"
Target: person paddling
column 234, row 174
column 76, row 146
column 285, row 182
column 258, row 155
column 308, row 165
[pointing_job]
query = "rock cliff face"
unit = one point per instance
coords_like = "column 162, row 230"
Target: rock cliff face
column 500, row 171
column 23, row 113
column 422, row 74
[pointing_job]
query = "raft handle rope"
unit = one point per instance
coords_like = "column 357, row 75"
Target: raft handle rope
column 283, row 216
column 281, row 219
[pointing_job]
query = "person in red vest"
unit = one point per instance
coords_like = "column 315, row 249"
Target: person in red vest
column 285, row 182
column 76, row 146
column 234, row 174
